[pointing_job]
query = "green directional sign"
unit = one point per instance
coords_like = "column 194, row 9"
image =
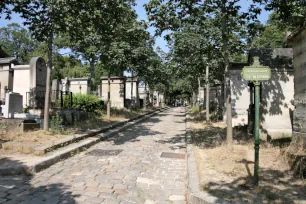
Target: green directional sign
column 256, row 72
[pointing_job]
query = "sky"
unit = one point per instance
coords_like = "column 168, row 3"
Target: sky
column 160, row 42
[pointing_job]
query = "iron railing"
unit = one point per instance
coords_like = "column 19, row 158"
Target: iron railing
column 58, row 99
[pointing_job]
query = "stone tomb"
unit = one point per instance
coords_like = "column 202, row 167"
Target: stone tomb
column 13, row 104
column 79, row 85
column 276, row 95
column 117, row 91
column 298, row 41
column 30, row 82
column 6, row 74
column 55, row 90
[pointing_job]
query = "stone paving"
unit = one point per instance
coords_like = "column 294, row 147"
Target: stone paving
column 136, row 175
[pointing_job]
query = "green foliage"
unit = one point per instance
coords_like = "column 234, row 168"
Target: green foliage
column 75, row 72
column 84, row 102
column 292, row 13
column 17, row 41
column 56, row 124
column 273, row 35
column 195, row 109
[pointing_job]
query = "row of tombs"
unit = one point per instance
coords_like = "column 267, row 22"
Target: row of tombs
column 276, row 95
column 24, row 86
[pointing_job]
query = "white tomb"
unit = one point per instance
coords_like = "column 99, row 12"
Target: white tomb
column 13, row 104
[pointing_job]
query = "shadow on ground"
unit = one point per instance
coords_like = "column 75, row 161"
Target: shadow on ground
column 30, row 189
column 275, row 187
column 211, row 136
column 143, row 129
column 138, row 130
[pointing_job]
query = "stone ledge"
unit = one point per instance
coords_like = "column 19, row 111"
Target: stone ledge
column 75, row 138
column 68, row 151
column 194, row 194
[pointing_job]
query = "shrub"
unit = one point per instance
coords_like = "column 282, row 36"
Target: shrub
column 195, row 109
column 84, row 102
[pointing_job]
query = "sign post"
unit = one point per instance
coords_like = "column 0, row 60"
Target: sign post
column 256, row 73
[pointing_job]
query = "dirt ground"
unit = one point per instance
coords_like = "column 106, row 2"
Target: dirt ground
column 227, row 171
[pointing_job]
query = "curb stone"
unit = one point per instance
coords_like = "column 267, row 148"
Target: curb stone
column 195, row 195
column 67, row 151
column 41, row 150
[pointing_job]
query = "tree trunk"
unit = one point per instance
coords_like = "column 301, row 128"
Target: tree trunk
column 92, row 73
column 108, row 96
column 229, row 130
column 47, row 94
column 145, row 98
column 137, row 95
column 199, row 90
column 132, row 86
column 157, row 104
column 207, row 95
column 194, row 98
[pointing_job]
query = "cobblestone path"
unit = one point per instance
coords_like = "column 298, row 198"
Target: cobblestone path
column 138, row 174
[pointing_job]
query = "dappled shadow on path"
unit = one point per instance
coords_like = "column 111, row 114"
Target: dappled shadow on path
column 147, row 129
column 33, row 189
column 176, row 142
column 142, row 129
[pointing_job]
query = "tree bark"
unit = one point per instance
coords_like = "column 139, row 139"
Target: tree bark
column 108, row 96
column 137, row 95
column 132, row 86
column 207, row 95
column 92, row 72
column 145, row 98
column 48, row 80
column 229, row 129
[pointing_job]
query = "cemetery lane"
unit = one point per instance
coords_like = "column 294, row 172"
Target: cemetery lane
column 144, row 164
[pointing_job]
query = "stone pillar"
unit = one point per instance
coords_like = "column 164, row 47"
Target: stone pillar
column 298, row 42
column 38, row 75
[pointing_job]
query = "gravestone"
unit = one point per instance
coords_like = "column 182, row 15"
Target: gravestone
column 13, row 104
column 99, row 91
column 38, row 75
column 65, row 83
column 55, row 90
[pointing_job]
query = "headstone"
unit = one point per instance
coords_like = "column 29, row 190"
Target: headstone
column 99, row 91
column 55, row 91
column 13, row 104
column 38, row 76
column 65, row 83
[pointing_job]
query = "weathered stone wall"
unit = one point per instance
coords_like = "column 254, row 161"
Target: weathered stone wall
column 240, row 98
column 117, row 91
column 22, row 82
column 299, row 56
column 276, row 94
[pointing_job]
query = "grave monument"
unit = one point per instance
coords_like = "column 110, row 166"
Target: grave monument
column 30, row 82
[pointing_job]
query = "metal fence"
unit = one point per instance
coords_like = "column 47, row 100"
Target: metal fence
column 58, row 99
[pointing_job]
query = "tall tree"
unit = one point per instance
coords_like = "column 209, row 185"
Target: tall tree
column 45, row 21
column 17, row 41
column 273, row 34
column 291, row 12
column 96, row 28
column 171, row 14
